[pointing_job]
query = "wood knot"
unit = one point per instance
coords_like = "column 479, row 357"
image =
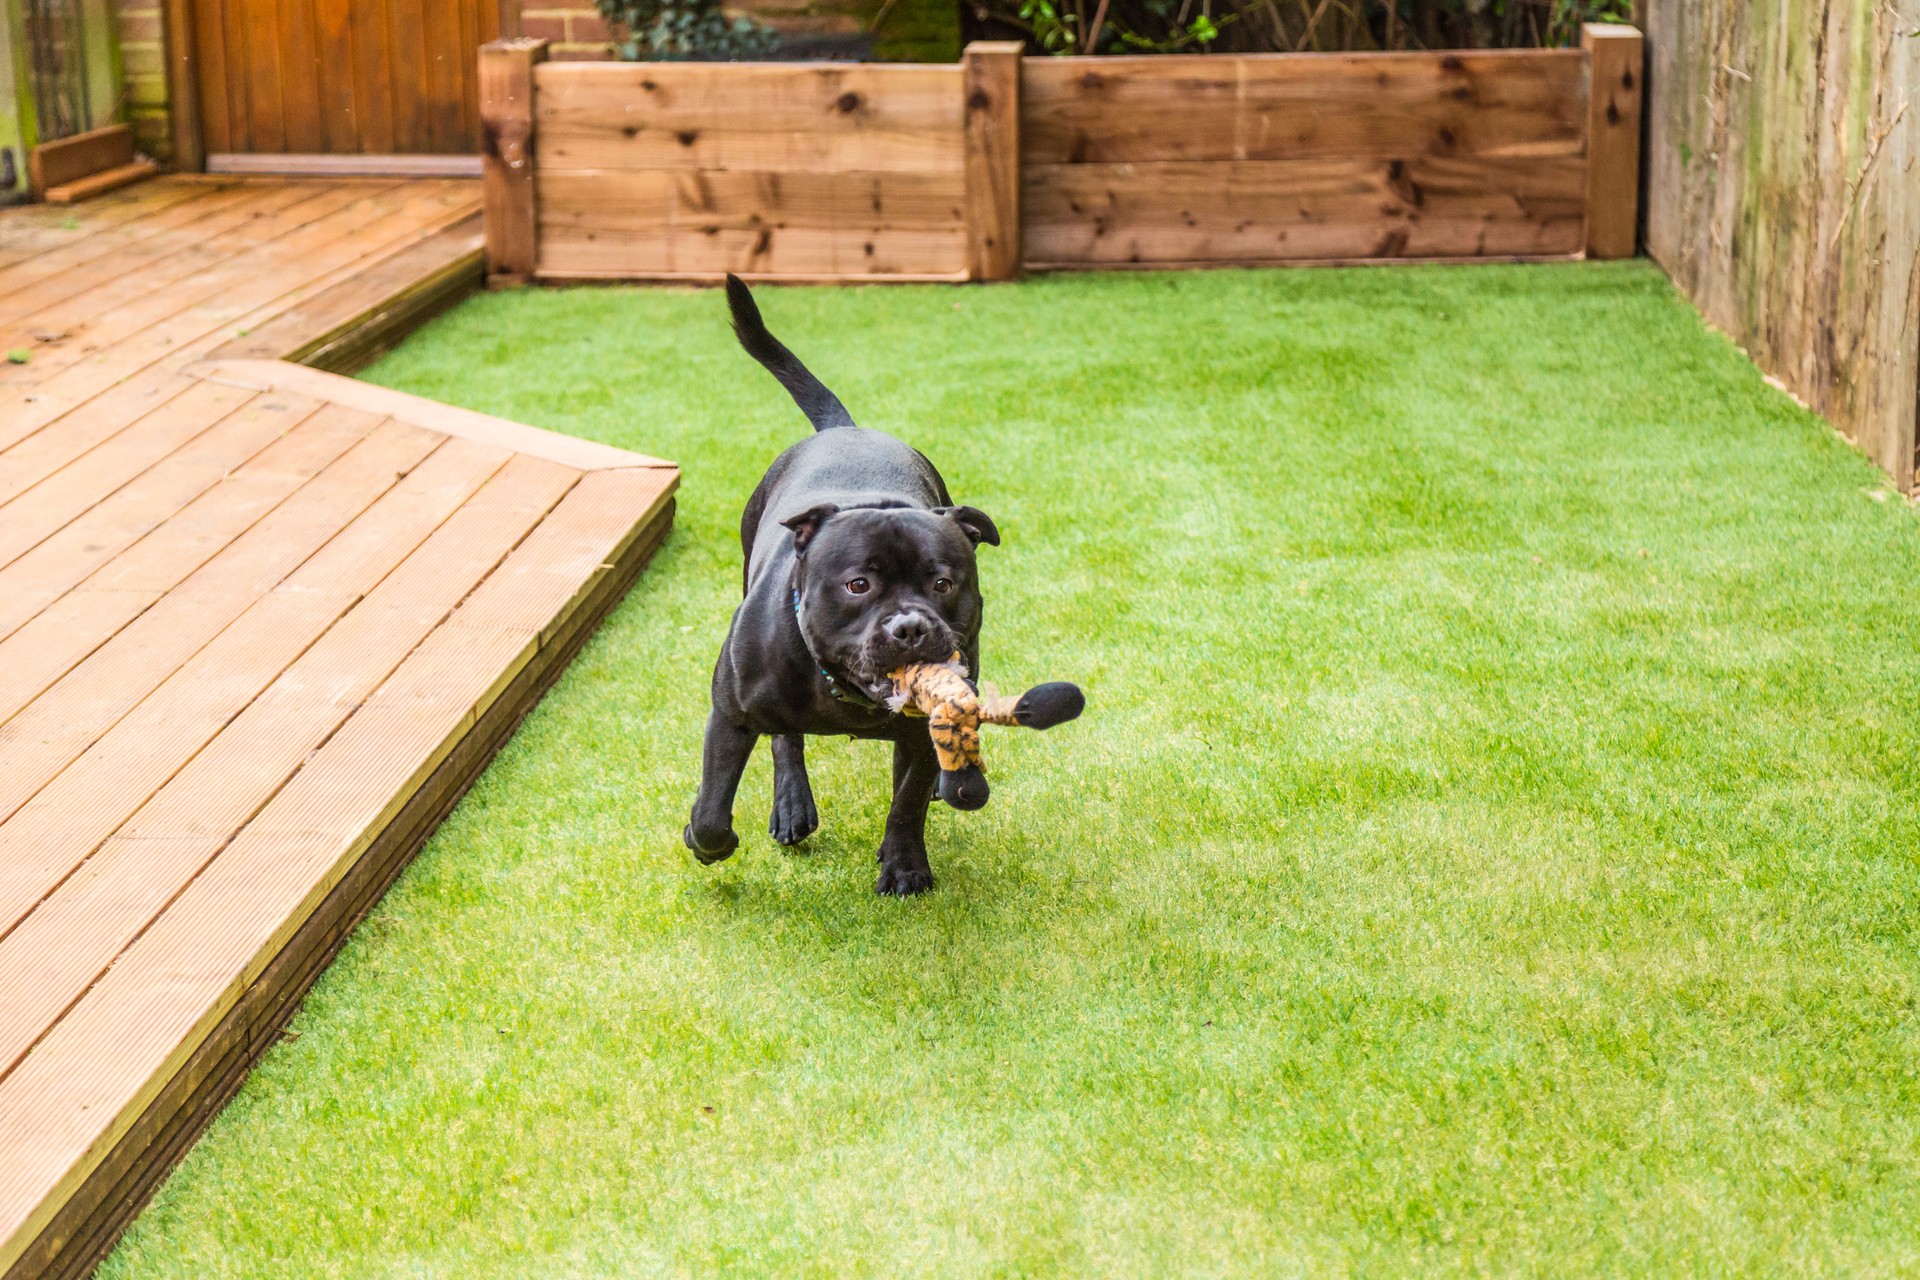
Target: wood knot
column 848, row 103
column 688, row 137
column 630, row 130
column 979, row 100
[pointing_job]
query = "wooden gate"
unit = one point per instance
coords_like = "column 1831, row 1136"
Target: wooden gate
column 339, row 77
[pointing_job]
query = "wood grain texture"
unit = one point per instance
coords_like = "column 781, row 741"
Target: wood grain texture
column 1168, row 214
column 1302, row 158
column 99, row 184
column 767, row 170
column 991, row 86
column 449, row 420
column 340, row 77
column 253, row 617
column 55, row 164
column 1390, row 106
column 1616, row 70
column 1782, row 150
column 507, row 185
column 768, row 224
column 172, row 991
column 763, row 117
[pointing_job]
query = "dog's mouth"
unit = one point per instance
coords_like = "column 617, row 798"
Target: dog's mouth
column 872, row 667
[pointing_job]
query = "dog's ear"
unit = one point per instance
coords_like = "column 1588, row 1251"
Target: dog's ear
column 975, row 523
column 808, row 523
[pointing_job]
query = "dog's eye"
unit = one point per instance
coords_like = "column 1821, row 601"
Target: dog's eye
column 942, row 585
column 857, row 586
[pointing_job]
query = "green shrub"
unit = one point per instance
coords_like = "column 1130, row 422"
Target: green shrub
column 1270, row 26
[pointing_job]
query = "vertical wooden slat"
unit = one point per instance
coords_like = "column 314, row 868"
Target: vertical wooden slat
column 407, row 44
column 991, row 84
column 300, row 76
column 507, row 153
column 266, row 114
column 184, row 87
column 336, row 26
column 373, row 75
column 440, row 85
column 1615, row 62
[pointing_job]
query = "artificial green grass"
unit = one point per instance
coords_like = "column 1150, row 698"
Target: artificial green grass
column 1489, row 848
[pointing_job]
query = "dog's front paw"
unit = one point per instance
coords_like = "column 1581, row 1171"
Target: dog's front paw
column 794, row 819
column 710, row 846
column 902, row 881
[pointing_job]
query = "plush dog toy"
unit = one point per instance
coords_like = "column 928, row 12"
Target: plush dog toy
column 941, row 692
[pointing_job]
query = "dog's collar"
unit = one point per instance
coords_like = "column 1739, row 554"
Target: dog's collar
column 833, row 686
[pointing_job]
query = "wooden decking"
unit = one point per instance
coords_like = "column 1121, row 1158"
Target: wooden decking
column 260, row 624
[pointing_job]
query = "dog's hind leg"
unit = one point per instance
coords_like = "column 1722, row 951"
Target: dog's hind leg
column 794, row 816
column 903, row 850
column 710, row 831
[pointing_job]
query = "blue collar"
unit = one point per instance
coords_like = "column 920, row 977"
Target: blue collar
column 833, row 686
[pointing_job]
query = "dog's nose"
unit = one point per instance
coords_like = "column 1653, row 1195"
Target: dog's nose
column 908, row 629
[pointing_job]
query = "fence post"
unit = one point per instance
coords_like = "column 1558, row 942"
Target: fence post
column 506, row 158
column 990, row 80
column 1616, row 63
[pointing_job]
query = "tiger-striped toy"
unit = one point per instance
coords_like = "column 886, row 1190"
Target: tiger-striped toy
column 941, row 692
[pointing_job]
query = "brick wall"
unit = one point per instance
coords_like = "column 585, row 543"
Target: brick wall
column 573, row 30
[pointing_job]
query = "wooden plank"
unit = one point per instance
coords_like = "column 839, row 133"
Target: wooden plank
column 444, row 57
column 343, row 328
column 266, row 108
column 131, row 302
column 290, row 165
column 69, row 938
column 183, row 43
column 833, row 224
column 294, row 267
column 991, row 84
column 100, row 184
column 27, row 233
column 1616, row 63
column 165, row 490
column 1254, row 211
column 41, row 281
column 334, row 76
column 93, row 1198
column 407, row 38
column 60, row 635
column 372, row 75
column 55, row 164
column 212, row 77
column 298, row 52
column 92, row 791
column 90, row 700
column 47, row 506
column 1317, row 106
column 109, row 284
column 753, row 116
column 30, row 451
column 507, row 157
column 446, row 419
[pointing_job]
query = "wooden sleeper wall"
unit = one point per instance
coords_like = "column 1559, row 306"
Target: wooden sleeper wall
column 857, row 172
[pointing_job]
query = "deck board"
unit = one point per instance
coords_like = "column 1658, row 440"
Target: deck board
column 260, row 625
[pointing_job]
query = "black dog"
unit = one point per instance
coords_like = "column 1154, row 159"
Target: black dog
column 857, row 563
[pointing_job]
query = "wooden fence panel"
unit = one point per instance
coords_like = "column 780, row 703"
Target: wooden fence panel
column 796, row 171
column 1782, row 156
column 1291, row 157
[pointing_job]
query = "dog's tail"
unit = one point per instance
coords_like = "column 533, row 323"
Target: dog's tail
column 822, row 407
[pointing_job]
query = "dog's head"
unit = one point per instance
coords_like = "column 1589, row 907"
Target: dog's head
column 882, row 587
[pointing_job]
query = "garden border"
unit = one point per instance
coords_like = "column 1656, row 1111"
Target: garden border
column 823, row 172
